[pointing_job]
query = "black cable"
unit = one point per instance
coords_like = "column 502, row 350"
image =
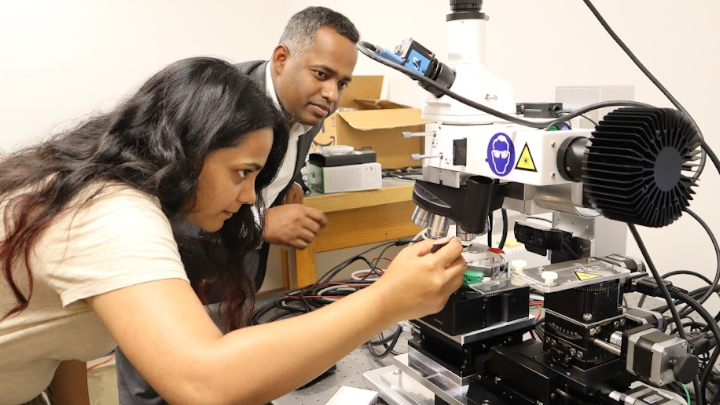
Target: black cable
column 596, row 106
column 389, row 347
column 559, row 112
column 367, row 49
column 688, row 273
column 375, row 263
column 668, row 299
column 490, row 230
column 311, row 297
column 588, row 118
column 501, row 245
column 717, row 255
column 694, row 294
column 713, row 327
column 649, row 75
column 672, row 273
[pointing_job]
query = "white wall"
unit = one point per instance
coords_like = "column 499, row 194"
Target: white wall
column 60, row 61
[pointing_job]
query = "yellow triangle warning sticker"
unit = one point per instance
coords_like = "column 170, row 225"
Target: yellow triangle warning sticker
column 526, row 161
column 585, row 276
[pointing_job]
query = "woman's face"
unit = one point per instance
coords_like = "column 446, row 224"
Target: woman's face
column 227, row 180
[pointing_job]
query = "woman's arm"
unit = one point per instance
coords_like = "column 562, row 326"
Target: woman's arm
column 164, row 330
column 69, row 386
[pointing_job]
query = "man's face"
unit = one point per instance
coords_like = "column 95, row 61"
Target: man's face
column 310, row 85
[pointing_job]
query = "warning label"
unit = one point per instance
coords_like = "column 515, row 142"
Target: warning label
column 526, row 161
column 585, row 276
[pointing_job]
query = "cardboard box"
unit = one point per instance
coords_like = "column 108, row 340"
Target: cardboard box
column 363, row 121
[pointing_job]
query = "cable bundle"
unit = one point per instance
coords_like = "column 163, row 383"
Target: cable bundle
column 325, row 291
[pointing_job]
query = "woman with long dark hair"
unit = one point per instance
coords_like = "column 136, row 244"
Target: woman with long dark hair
column 89, row 258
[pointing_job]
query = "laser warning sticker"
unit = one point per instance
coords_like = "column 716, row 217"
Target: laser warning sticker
column 526, row 161
column 582, row 276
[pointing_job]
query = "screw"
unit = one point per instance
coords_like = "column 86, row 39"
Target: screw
column 664, row 352
column 497, row 380
column 662, row 381
column 587, row 316
column 592, row 331
column 573, row 351
column 579, row 354
column 622, row 322
column 553, row 144
column 684, row 345
column 616, row 324
column 552, row 175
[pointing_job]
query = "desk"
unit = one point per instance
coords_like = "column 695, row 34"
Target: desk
column 355, row 219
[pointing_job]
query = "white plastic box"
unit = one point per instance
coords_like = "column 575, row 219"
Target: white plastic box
column 338, row 179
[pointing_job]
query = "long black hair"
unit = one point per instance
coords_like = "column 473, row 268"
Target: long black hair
column 156, row 141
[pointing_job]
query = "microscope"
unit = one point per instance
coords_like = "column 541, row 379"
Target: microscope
column 486, row 153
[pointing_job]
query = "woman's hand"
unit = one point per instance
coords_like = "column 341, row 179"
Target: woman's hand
column 419, row 282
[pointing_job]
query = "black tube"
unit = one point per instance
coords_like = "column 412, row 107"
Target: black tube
column 501, row 245
column 668, row 299
column 715, row 330
column 477, row 204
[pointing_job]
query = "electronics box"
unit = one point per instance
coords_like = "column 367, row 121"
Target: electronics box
column 352, row 158
column 363, row 121
column 338, row 179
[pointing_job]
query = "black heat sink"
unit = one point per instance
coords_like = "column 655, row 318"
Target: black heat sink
column 639, row 163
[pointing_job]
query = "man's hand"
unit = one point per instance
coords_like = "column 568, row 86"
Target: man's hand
column 292, row 225
column 295, row 195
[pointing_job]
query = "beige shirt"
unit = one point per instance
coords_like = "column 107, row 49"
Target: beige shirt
column 118, row 239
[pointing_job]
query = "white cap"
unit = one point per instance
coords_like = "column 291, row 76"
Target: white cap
column 518, row 265
column 549, row 277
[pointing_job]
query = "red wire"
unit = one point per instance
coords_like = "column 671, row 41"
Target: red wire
column 102, row 362
column 349, row 285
